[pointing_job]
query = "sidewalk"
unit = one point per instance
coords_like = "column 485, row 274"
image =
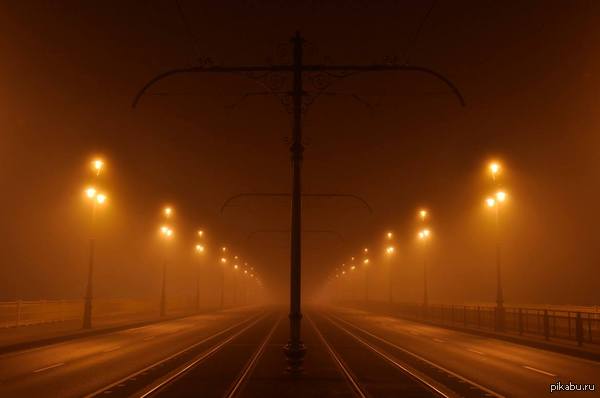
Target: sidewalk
column 24, row 337
column 568, row 347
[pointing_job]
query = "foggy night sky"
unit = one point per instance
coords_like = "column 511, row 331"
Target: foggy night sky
column 528, row 71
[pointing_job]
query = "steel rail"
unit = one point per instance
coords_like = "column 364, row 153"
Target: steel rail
column 251, row 320
column 417, row 356
column 190, row 365
column 235, row 388
column 356, row 388
column 411, row 372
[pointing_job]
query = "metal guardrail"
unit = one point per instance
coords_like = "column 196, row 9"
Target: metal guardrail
column 579, row 326
column 23, row 313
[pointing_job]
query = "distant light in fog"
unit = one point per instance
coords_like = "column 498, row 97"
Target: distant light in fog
column 424, row 234
column 390, row 250
column 423, row 214
column 390, row 235
column 101, row 198
column 166, row 231
column 235, row 266
column 366, row 261
column 491, row 202
column 97, row 166
column 223, row 260
column 501, row 196
column 168, row 211
column 90, row 192
column 200, row 233
column 494, row 168
column 223, row 249
column 199, row 248
column 366, row 250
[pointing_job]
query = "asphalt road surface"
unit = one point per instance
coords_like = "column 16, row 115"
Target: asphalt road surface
column 239, row 353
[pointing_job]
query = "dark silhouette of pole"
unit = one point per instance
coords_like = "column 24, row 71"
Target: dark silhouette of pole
column 295, row 349
column 163, row 291
column 87, row 306
column 222, row 298
column 499, row 291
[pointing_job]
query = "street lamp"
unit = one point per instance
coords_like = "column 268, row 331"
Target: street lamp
column 166, row 233
column 424, row 236
column 494, row 202
column 200, row 249
column 389, row 251
column 223, row 261
column 98, row 199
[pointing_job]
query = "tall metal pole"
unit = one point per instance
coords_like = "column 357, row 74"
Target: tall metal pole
column 366, row 283
column 499, row 292
column 391, row 282
column 198, row 290
column 222, row 299
column 87, row 306
column 163, row 292
column 425, row 296
column 295, row 349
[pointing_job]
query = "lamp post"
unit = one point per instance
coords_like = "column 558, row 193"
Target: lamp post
column 223, row 261
column 424, row 235
column 494, row 202
column 167, row 234
column 389, row 251
column 200, row 249
column 366, row 263
column 97, row 199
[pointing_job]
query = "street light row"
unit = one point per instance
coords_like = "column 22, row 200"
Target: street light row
column 97, row 197
column 424, row 234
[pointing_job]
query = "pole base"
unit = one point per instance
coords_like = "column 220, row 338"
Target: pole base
column 294, row 353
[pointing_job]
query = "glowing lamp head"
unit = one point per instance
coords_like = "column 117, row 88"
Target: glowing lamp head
column 223, row 260
column 235, row 266
column 100, row 198
column 423, row 214
column 365, row 250
column 500, row 196
column 97, row 165
column 168, row 211
column 223, row 249
column 390, row 250
column 235, row 257
column 389, row 235
column 490, row 202
column 353, row 267
column 200, row 233
column 90, row 192
column 366, row 261
column 199, row 248
column 494, row 168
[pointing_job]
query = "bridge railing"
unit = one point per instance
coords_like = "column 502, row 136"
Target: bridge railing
column 24, row 313
column 550, row 323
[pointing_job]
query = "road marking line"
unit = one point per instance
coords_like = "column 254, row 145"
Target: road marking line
column 539, row 371
column 112, row 348
column 475, row 351
column 56, row 365
column 439, row 340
